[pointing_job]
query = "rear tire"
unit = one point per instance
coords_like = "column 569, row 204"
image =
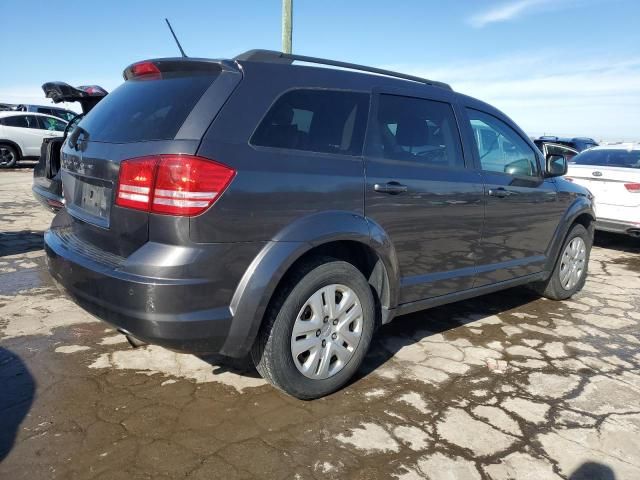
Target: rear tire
column 570, row 272
column 336, row 331
column 8, row 156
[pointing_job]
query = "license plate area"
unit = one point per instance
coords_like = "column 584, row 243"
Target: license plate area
column 87, row 198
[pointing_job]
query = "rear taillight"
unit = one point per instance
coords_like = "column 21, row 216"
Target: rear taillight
column 171, row 184
column 145, row 69
column 135, row 183
column 633, row 187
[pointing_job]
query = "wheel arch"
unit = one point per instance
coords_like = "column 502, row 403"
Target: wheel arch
column 342, row 235
column 13, row 144
column 580, row 212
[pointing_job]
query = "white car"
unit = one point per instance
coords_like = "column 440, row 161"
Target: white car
column 612, row 174
column 21, row 135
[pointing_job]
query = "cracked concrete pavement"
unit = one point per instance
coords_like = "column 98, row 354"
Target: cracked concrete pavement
column 500, row 387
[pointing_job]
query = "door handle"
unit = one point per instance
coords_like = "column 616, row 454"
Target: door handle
column 393, row 188
column 499, row 192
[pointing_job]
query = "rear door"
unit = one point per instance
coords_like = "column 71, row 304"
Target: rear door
column 164, row 110
column 26, row 132
column 522, row 208
column 421, row 191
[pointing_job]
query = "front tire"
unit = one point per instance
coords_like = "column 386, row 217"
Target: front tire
column 570, row 272
column 317, row 330
column 8, row 156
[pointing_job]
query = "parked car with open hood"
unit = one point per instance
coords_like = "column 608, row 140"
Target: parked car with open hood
column 255, row 205
column 22, row 134
column 612, row 174
column 47, row 185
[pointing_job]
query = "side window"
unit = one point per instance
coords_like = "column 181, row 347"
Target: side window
column 325, row 121
column 500, row 148
column 417, row 130
column 53, row 124
column 16, row 121
column 32, row 122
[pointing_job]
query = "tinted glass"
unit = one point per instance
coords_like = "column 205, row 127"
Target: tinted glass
column 553, row 149
column 323, row 121
column 68, row 116
column 63, row 114
column 53, row 124
column 500, row 148
column 417, row 130
column 17, row 121
column 609, row 158
column 146, row 109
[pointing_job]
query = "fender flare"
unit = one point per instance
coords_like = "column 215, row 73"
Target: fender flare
column 264, row 274
column 581, row 205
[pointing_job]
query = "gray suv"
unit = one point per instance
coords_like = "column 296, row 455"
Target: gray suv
column 259, row 206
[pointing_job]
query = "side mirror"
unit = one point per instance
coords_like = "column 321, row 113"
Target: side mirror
column 556, row 165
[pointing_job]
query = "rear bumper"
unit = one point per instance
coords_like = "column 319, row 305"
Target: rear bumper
column 47, row 199
column 188, row 313
column 617, row 226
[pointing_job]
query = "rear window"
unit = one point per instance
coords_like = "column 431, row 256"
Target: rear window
column 146, row 109
column 609, row 158
column 325, row 121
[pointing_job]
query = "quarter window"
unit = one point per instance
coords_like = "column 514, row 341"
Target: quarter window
column 417, row 130
column 326, row 121
column 500, row 148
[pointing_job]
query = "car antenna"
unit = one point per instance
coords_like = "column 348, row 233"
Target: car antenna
column 175, row 38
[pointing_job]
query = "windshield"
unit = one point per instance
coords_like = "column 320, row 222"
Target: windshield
column 144, row 109
column 609, row 158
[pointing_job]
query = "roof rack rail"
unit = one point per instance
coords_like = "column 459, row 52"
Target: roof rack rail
column 272, row 56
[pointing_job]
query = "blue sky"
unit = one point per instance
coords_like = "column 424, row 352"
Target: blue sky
column 566, row 67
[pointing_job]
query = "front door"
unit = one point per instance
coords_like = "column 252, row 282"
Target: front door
column 522, row 207
column 421, row 191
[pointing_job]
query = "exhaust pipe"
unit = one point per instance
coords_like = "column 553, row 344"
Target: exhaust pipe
column 133, row 341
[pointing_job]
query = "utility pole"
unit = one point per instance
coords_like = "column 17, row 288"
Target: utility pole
column 287, row 25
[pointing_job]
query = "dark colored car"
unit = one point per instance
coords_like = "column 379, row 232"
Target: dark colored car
column 576, row 143
column 253, row 205
column 64, row 114
column 47, row 184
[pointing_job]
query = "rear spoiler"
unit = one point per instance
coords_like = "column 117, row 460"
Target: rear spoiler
column 156, row 68
column 87, row 95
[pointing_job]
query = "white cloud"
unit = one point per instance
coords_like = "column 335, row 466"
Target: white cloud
column 508, row 11
column 599, row 97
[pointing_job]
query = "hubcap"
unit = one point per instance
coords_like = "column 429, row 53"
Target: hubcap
column 572, row 263
column 326, row 332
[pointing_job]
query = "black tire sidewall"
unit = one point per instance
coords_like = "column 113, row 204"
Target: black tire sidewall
column 15, row 157
column 283, row 369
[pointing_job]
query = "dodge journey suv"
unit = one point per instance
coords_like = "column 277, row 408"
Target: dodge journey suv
column 256, row 205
